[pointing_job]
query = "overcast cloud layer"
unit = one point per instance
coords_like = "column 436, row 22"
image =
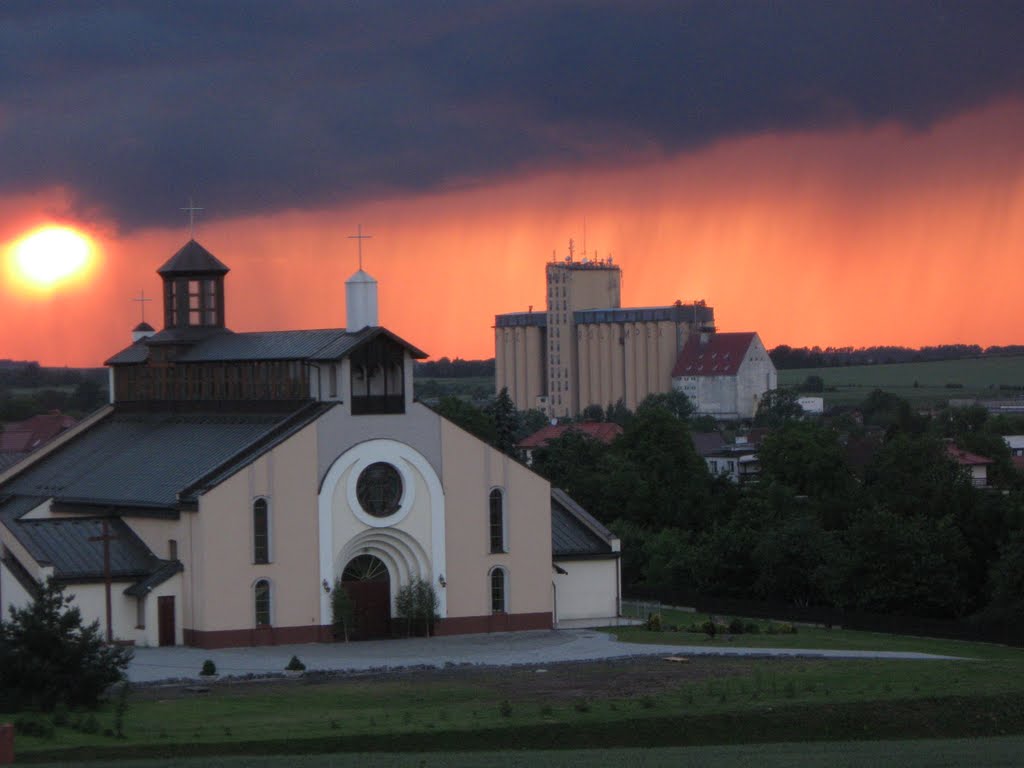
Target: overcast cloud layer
column 257, row 106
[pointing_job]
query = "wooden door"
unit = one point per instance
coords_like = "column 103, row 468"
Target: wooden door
column 165, row 620
column 371, row 602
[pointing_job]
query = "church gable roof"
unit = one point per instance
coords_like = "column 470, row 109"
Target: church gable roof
column 145, row 460
column 193, row 259
column 65, row 543
column 575, row 533
column 317, row 345
column 721, row 355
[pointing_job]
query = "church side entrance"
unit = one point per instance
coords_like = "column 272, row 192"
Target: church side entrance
column 368, row 585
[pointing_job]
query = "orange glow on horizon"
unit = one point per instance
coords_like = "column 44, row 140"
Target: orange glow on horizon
column 865, row 237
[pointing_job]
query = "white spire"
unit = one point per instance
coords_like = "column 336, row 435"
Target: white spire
column 360, row 302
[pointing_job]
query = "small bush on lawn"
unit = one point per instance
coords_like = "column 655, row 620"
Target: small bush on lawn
column 752, row 628
column 653, row 622
column 34, row 724
column 209, row 668
column 295, row 665
column 736, row 627
column 505, row 708
column 709, row 628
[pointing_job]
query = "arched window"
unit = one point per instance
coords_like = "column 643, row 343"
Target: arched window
column 260, row 531
column 497, row 521
column 499, row 591
column 261, row 597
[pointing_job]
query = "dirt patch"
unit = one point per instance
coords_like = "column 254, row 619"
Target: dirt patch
column 610, row 679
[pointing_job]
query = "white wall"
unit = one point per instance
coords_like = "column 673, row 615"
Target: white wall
column 11, row 592
column 588, row 590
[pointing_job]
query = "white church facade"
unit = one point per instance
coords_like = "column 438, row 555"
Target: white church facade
column 235, row 477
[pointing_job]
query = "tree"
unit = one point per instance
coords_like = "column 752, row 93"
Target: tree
column 506, row 422
column 49, row 657
column 777, row 407
column 468, row 417
column 341, row 609
column 417, row 601
column 674, row 401
column 592, row 412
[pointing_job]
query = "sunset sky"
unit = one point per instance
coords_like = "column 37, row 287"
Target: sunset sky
column 842, row 173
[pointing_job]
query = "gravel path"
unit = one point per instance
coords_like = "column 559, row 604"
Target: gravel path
column 498, row 649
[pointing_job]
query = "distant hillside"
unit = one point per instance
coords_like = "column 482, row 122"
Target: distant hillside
column 988, row 377
column 786, row 357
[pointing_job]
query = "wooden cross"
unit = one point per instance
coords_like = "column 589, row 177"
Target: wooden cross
column 142, row 303
column 360, row 237
column 192, row 209
column 106, row 537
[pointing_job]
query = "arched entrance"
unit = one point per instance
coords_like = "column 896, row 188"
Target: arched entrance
column 368, row 584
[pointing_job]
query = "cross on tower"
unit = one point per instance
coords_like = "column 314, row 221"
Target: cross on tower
column 192, row 209
column 106, row 537
column 142, row 303
column 359, row 237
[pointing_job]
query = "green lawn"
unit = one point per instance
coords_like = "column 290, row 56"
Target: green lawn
column 1000, row 752
column 610, row 704
column 920, row 383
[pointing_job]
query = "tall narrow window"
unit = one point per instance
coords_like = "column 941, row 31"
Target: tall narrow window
column 260, row 532
column 498, row 604
column 261, row 594
column 332, row 377
column 497, row 521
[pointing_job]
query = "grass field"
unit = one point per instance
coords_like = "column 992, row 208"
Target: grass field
column 920, row 383
column 1000, row 752
column 649, row 702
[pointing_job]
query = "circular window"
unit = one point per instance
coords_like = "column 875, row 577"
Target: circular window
column 379, row 489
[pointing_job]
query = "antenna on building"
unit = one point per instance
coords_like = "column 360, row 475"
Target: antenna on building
column 572, row 248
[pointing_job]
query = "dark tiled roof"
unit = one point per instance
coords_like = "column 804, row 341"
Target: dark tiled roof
column 193, row 259
column 606, row 432
column 707, row 443
column 226, row 346
column 27, row 435
column 164, row 571
column 575, row 532
column 10, row 459
column 64, row 543
column 720, row 355
column 143, row 459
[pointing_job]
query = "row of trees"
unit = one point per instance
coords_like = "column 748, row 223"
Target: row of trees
column 865, row 511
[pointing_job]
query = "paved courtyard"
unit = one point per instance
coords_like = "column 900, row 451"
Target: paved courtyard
column 498, row 649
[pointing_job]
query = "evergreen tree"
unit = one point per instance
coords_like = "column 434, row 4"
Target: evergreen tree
column 49, row 657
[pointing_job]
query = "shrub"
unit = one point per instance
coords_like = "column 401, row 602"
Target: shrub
column 295, row 665
column 505, row 708
column 34, row 724
column 709, row 628
column 209, row 668
column 752, row 628
column 581, row 705
column 89, row 724
column 653, row 622
column 415, row 602
column 341, row 610
column 736, row 627
column 61, row 716
column 47, row 655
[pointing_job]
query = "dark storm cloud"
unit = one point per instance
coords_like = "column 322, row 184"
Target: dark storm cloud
column 254, row 106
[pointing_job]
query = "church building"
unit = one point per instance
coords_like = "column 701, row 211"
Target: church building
column 235, row 477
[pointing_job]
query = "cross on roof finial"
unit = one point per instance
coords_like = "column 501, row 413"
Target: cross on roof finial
column 142, row 303
column 192, row 209
column 359, row 237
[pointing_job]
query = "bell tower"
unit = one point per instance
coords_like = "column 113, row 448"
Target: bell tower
column 193, row 290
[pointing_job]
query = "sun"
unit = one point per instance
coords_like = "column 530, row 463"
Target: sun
column 51, row 255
